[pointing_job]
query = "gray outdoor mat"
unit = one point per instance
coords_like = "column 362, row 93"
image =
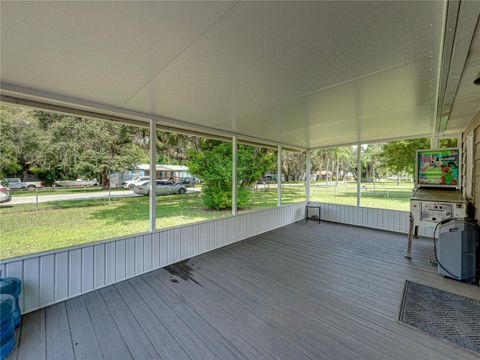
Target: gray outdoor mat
column 442, row 314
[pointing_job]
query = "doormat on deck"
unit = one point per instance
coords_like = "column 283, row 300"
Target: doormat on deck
column 442, row 314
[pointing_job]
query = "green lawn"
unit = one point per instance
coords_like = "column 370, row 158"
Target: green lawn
column 29, row 229
column 385, row 195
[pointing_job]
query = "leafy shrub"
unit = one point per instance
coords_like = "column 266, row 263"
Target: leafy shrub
column 213, row 164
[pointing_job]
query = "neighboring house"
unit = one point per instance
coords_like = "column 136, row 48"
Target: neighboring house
column 174, row 172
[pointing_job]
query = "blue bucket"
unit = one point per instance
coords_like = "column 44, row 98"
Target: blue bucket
column 12, row 286
column 7, row 328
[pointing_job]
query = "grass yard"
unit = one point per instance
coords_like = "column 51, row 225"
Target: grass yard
column 384, row 195
column 27, row 229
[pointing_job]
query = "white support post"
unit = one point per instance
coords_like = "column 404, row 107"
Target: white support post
column 279, row 176
column 359, row 172
column 434, row 143
column 234, row 175
column 307, row 175
column 153, row 175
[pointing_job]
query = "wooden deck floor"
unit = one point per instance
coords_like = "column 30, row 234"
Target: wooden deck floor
column 304, row 291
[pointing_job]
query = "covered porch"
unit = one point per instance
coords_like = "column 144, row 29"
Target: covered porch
column 302, row 291
column 283, row 76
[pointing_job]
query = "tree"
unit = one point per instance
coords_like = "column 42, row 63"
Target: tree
column 55, row 146
column 213, row 164
column 372, row 160
column 20, row 141
column 91, row 149
column 399, row 156
column 293, row 165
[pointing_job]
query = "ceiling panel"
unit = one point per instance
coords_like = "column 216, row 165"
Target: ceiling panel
column 99, row 51
column 301, row 73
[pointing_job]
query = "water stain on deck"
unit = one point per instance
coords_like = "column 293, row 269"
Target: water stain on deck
column 182, row 270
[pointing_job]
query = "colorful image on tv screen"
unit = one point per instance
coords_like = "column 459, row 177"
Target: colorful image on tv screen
column 438, row 167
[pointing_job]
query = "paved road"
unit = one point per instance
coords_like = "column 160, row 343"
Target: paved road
column 76, row 196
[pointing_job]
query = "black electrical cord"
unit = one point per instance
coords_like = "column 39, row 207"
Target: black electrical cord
column 436, row 257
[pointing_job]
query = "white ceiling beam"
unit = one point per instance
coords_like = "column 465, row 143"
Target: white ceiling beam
column 24, row 97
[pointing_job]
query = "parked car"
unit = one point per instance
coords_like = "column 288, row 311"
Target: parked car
column 164, row 187
column 130, row 184
column 188, row 181
column 76, row 183
column 4, row 192
column 16, row 183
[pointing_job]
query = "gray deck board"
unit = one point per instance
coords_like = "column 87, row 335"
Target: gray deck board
column 85, row 342
column 184, row 335
column 249, row 334
column 304, row 291
column 32, row 336
column 59, row 342
column 162, row 340
column 108, row 335
column 214, row 339
column 135, row 338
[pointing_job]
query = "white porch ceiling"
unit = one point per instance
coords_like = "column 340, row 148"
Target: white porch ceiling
column 306, row 74
column 467, row 98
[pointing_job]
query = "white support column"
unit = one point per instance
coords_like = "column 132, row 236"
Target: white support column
column 307, row 175
column 234, row 175
column 279, row 176
column 153, row 175
column 359, row 172
column 434, row 143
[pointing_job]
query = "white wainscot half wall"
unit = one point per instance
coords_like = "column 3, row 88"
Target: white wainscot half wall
column 382, row 219
column 65, row 273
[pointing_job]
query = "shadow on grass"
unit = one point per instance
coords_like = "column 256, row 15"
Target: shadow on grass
column 189, row 206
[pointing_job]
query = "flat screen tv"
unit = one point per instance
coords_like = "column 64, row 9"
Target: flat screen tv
column 438, row 168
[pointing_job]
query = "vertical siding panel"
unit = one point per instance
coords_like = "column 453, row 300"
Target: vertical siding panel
column 31, row 283
column 147, row 251
column 184, row 242
column 381, row 220
column 156, row 250
column 87, row 268
column 391, row 220
column 75, row 272
column 373, row 217
column 139, row 255
column 110, row 262
column 405, row 220
column 202, row 238
column 170, row 246
column 163, row 248
column 120, row 259
column 196, row 239
column 397, row 223
column 15, row 269
column 130, row 257
column 178, row 244
column 61, row 276
column 213, row 234
column 47, row 279
column 99, row 265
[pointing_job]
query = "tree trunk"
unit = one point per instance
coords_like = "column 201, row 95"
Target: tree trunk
column 336, row 176
column 373, row 177
column 326, row 175
column 25, row 173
